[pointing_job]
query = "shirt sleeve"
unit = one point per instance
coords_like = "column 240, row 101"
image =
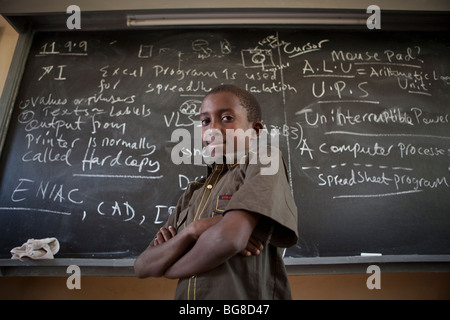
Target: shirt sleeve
column 268, row 194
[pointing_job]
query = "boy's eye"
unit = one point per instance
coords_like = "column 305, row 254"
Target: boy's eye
column 205, row 122
column 227, row 118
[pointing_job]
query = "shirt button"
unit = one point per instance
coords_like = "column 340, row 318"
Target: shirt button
column 209, row 186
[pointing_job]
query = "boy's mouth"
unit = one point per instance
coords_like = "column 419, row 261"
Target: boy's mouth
column 215, row 148
column 213, row 143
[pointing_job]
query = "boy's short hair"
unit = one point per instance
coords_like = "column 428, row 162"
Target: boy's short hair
column 247, row 100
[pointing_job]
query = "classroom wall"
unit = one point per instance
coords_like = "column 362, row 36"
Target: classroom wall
column 8, row 39
column 320, row 287
column 331, row 286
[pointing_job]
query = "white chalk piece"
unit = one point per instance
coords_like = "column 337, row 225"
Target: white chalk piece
column 366, row 254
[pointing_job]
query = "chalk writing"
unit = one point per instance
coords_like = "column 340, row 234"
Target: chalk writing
column 68, row 48
column 358, row 119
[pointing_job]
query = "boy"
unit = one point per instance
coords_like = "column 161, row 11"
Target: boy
column 225, row 236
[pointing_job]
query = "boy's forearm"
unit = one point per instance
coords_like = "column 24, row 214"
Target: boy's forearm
column 216, row 245
column 155, row 260
column 202, row 246
column 206, row 254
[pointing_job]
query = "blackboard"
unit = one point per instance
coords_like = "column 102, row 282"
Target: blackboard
column 362, row 119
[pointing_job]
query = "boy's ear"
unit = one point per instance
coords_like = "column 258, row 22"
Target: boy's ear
column 258, row 126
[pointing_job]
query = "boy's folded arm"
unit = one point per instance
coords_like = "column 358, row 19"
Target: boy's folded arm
column 168, row 246
column 155, row 260
column 217, row 244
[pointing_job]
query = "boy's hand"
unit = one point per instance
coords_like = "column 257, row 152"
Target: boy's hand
column 164, row 234
column 254, row 247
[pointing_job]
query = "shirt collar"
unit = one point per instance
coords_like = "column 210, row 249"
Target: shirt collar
column 229, row 162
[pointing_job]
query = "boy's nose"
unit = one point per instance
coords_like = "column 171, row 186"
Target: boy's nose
column 216, row 127
column 212, row 133
column 214, row 124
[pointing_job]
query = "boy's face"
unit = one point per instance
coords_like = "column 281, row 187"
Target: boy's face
column 220, row 112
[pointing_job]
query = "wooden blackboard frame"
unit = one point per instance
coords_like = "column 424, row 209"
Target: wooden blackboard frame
column 294, row 266
column 12, row 83
column 124, row 267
